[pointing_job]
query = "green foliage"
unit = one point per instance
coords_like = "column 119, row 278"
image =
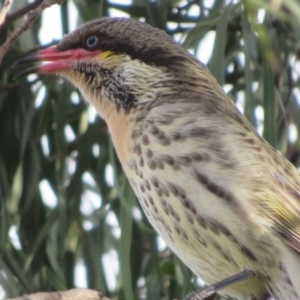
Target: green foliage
column 257, row 62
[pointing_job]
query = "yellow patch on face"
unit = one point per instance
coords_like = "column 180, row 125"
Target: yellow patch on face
column 105, row 54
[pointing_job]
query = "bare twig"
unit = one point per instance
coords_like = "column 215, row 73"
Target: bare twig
column 4, row 11
column 22, row 11
column 75, row 294
column 31, row 16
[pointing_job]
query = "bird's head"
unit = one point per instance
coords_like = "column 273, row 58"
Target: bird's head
column 123, row 61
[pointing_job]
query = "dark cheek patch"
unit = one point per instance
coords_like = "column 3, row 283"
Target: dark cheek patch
column 118, row 92
column 112, row 83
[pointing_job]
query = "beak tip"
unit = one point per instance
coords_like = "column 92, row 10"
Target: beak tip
column 26, row 59
column 16, row 63
column 26, row 72
column 29, row 58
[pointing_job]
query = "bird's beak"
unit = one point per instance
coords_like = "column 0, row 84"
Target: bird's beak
column 55, row 60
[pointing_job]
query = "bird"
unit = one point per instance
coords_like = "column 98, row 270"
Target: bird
column 223, row 200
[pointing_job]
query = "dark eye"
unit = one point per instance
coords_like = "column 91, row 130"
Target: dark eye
column 92, row 41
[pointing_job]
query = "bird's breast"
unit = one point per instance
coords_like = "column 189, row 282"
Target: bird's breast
column 178, row 180
column 119, row 127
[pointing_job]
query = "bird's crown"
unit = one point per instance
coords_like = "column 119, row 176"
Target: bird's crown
column 122, row 35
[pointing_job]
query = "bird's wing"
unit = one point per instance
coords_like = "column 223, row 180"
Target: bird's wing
column 232, row 138
column 286, row 213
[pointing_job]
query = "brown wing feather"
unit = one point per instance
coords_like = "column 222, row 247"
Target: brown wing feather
column 285, row 214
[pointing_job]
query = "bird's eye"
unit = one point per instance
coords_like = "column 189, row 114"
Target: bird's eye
column 92, row 41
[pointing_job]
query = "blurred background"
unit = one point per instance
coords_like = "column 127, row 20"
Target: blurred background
column 68, row 217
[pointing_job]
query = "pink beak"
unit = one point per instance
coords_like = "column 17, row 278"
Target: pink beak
column 55, row 60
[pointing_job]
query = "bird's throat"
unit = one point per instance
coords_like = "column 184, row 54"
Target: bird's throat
column 119, row 127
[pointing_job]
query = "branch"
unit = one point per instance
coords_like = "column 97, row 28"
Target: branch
column 4, row 11
column 75, row 294
column 31, row 16
column 22, row 11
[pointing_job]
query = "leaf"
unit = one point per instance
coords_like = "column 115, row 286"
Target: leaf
column 269, row 104
column 125, row 243
column 217, row 61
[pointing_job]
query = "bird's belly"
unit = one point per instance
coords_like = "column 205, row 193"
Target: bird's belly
column 198, row 228
column 198, row 199
column 204, row 244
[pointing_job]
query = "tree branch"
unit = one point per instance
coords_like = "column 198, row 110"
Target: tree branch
column 75, row 294
column 22, row 11
column 4, row 11
column 31, row 16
